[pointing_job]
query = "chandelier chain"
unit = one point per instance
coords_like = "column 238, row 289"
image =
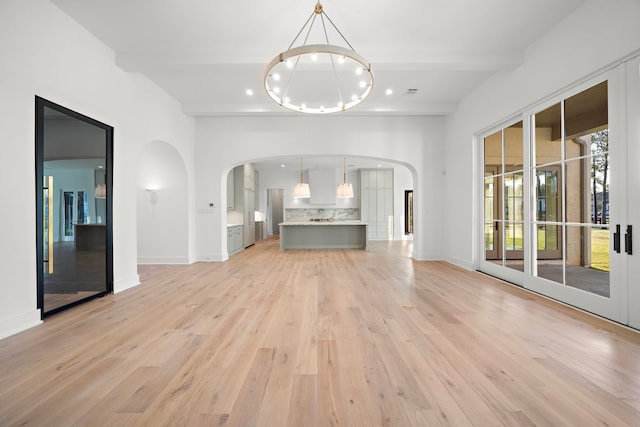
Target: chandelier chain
column 333, row 64
column 339, row 32
column 302, row 29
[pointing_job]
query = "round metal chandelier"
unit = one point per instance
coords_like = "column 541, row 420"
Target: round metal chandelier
column 318, row 78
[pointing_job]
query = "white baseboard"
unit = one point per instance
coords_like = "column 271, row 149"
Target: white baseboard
column 461, row 263
column 19, row 323
column 126, row 283
column 213, row 257
column 426, row 257
column 163, row 260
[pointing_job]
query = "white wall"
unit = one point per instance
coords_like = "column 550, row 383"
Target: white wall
column 222, row 142
column 597, row 34
column 162, row 206
column 44, row 52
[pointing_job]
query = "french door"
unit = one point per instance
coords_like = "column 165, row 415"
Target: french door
column 632, row 197
column 557, row 194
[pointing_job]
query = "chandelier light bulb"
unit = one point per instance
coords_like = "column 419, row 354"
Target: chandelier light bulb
column 359, row 71
column 276, row 76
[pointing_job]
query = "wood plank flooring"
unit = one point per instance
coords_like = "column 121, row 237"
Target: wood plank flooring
column 321, row 338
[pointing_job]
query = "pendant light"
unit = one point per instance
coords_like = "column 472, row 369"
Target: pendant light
column 345, row 190
column 301, row 190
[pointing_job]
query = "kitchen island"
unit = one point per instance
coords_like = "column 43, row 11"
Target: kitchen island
column 323, row 235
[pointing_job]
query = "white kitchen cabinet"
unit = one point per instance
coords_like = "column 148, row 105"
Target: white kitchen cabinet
column 249, row 218
column 235, row 240
column 376, row 202
column 249, row 205
column 231, row 191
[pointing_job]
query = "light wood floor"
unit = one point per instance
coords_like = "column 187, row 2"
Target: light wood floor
column 321, row 338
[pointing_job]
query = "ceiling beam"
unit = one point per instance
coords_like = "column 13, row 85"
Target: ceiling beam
column 383, row 61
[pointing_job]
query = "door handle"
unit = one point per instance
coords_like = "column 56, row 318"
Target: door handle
column 616, row 239
column 628, row 241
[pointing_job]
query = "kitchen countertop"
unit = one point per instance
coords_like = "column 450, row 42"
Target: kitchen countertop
column 343, row 222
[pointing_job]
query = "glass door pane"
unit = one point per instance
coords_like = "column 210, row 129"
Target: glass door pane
column 75, row 157
column 491, row 222
column 572, row 191
column 493, row 160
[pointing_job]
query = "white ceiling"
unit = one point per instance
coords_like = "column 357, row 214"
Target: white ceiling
column 207, row 53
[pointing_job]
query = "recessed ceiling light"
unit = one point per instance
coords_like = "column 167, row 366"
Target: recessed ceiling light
column 281, row 166
column 249, row 92
column 389, row 91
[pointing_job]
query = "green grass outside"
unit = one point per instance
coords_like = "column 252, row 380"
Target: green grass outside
column 600, row 249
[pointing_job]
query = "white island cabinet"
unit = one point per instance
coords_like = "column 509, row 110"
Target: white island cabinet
column 323, row 235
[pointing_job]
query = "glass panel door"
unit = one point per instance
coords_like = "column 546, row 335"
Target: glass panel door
column 73, row 222
column 579, row 195
column 631, row 224
column 572, row 186
column 503, row 207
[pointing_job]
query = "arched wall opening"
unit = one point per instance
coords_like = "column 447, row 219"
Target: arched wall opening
column 412, row 142
column 162, row 206
column 282, row 172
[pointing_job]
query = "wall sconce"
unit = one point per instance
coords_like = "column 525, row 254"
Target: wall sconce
column 153, row 195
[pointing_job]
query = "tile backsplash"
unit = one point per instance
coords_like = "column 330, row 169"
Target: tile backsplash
column 335, row 214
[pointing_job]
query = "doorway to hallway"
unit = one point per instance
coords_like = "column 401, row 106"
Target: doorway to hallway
column 275, row 210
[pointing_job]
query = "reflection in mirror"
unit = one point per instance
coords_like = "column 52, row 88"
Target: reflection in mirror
column 74, row 230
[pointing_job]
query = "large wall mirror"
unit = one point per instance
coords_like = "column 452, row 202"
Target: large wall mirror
column 74, row 164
